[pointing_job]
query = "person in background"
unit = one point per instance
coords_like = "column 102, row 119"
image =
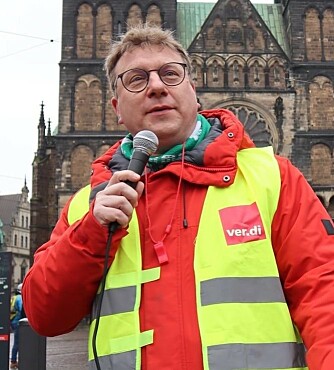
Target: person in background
column 16, row 315
column 223, row 257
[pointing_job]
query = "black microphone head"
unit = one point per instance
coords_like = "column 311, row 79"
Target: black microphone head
column 146, row 141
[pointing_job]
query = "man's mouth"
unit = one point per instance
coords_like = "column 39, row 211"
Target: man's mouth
column 162, row 108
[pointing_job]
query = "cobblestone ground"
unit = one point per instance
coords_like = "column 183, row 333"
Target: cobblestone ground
column 68, row 351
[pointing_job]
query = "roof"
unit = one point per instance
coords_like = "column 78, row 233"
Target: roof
column 8, row 208
column 272, row 16
column 191, row 16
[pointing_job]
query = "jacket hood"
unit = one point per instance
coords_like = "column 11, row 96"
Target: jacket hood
column 211, row 162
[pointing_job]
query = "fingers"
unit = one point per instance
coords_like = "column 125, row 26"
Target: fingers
column 122, row 176
column 117, row 201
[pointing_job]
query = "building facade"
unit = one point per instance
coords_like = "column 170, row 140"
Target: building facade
column 15, row 232
column 271, row 64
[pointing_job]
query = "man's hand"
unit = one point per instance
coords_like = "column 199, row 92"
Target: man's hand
column 117, row 201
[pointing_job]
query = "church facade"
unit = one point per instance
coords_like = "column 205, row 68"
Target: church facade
column 271, row 64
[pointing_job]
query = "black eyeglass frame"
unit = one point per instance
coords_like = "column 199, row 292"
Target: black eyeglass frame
column 120, row 76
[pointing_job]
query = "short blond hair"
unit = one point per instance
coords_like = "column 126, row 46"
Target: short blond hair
column 143, row 35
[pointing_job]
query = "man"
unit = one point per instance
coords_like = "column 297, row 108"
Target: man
column 16, row 315
column 219, row 262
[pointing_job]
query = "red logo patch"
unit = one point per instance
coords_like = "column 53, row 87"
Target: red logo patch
column 242, row 224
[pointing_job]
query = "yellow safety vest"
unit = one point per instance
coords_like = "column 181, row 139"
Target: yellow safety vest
column 243, row 317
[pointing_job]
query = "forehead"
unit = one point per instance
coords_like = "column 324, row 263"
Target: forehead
column 147, row 57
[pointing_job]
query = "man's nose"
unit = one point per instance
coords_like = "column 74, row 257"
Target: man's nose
column 155, row 85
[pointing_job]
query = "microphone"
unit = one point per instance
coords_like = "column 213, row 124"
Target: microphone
column 145, row 143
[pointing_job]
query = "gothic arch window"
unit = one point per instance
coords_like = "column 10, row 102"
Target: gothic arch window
column 256, row 73
column 328, row 34
column 321, row 95
column 215, row 71
column 154, row 15
column 88, row 104
column 215, row 75
column 81, row 159
column 196, row 71
column 103, row 30
column 135, row 16
column 276, row 74
column 258, row 124
column 313, row 35
column 84, row 28
column 321, row 165
column 235, row 72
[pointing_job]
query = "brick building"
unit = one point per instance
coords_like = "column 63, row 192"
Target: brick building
column 271, row 64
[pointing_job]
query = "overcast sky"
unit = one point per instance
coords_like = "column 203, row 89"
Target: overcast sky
column 30, row 50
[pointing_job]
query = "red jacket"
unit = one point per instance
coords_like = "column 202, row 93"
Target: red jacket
column 59, row 289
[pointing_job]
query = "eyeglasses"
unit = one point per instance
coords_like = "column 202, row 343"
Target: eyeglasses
column 136, row 79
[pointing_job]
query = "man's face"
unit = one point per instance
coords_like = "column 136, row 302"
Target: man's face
column 169, row 111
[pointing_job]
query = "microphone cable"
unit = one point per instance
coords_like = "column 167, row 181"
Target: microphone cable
column 99, row 301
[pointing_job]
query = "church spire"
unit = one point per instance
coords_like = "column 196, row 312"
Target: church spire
column 41, row 133
column 49, row 128
column 24, row 191
column 49, row 138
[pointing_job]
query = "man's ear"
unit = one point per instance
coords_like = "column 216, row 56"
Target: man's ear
column 114, row 104
column 192, row 83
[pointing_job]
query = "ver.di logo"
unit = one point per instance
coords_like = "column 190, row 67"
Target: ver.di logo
column 242, row 224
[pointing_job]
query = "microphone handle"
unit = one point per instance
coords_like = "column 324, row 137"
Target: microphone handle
column 137, row 164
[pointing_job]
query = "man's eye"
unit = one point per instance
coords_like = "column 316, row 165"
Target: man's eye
column 137, row 78
column 170, row 72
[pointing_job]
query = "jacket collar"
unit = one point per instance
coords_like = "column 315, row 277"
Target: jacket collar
column 211, row 162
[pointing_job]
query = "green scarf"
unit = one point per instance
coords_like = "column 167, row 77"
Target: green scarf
column 201, row 129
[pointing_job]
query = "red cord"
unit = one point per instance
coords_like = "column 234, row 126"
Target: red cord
column 159, row 244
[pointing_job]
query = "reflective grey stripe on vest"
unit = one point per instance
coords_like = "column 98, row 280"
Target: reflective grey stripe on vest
column 256, row 356
column 116, row 300
column 119, row 361
column 241, row 290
